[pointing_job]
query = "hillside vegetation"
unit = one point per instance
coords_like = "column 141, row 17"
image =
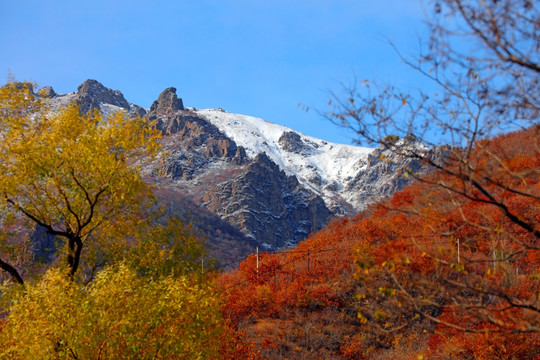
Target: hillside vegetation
column 426, row 274
column 120, row 284
column 447, row 268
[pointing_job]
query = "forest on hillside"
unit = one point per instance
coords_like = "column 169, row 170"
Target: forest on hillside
column 422, row 275
column 447, row 268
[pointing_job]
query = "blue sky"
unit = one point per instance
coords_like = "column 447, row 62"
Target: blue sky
column 254, row 57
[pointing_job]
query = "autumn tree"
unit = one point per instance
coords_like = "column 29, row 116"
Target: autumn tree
column 119, row 315
column 462, row 259
column 70, row 173
column 144, row 294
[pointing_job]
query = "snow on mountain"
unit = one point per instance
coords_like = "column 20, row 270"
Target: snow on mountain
column 272, row 184
column 324, row 167
column 346, row 177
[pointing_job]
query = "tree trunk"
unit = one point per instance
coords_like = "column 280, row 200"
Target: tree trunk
column 74, row 257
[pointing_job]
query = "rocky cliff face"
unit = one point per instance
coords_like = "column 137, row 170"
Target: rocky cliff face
column 167, row 104
column 91, row 94
column 385, row 172
column 253, row 195
column 245, row 182
column 268, row 205
column 292, row 142
column 192, row 144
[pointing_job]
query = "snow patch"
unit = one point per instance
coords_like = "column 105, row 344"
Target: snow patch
column 321, row 163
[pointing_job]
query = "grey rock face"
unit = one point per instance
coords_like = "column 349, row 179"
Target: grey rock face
column 291, row 142
column 137, row 110
column 192, row 154
column 47, row 92
column 92, row 93
column 167, row 103
column 267, row 205
column 387, row 172
column 254, row 196
column 167, row 112
column 192, row 142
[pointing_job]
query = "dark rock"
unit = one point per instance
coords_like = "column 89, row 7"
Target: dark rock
column 240, row 157
column 47, row 92
column 167, row 103
column 333, row 186
column 193, row 144
column 389, row 169
column 292, row 182
column 91, row 94
column 315, row 179
column 291, row 142
column 137, row 110
column 269, row 206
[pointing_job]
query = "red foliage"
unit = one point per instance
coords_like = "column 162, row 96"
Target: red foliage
column 444, row 270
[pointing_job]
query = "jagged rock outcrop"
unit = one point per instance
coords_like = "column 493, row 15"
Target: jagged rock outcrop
column 47, row 92
column 192, row 143
column 249, row 182
column 167, row 103
column 254, row 196
column 91, row 94
column 386, row 171
column 291, row 142
column 268, row 205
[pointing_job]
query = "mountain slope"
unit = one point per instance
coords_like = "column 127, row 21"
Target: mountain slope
column 252, row 193
column 272, row 184
column 428, row 273
column 320, row 166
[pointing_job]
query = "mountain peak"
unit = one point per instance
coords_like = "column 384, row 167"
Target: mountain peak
column 91, row 94
column 167, row 102
column 89, row 86
column 272, row 183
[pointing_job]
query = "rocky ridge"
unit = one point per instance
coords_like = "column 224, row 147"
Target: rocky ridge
column 252, row 194
column 91, row 95
column 247, row 182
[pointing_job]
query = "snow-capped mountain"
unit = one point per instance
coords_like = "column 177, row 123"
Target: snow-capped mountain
column 246, row 181
column 323, row 167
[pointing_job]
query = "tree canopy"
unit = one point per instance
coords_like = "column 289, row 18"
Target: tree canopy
column 143, row 293
column 73, row 174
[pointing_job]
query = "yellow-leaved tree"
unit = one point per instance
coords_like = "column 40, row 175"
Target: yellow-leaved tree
column 143, row 294
column 119, row 315
column 71, row 173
